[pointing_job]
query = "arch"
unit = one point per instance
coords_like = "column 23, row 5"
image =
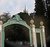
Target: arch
column 16, row 28
column 18, row 21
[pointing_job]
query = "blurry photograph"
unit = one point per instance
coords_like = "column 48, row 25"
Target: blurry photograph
column 24, row 23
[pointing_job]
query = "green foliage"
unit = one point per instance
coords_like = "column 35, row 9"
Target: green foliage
column 39, row 7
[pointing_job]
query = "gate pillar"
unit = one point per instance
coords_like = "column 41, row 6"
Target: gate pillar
column 1, row 24
column 34, row 41
column 43, row 34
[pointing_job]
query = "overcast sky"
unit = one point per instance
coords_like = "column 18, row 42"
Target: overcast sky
column 16, row 6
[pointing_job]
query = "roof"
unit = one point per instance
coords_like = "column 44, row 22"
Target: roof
column 16, row 20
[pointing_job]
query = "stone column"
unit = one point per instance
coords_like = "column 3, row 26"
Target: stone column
column 43, row 34
column 33, row 33
column 30, row 36
column 1, row 33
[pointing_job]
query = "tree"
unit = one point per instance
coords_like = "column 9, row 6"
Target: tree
column 5, row 17
column 25, row 16
column 39, row 7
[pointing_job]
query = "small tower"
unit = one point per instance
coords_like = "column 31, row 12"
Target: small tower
column 25, row 11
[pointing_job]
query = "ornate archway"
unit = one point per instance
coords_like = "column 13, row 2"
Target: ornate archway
column 18, row 22
column 22, row 26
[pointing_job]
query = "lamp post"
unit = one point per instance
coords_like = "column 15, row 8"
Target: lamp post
column 34, row 41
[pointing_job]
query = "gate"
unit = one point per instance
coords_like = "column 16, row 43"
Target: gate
column 36, row 35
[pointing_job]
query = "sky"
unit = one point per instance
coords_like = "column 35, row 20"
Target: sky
column 16, row 6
